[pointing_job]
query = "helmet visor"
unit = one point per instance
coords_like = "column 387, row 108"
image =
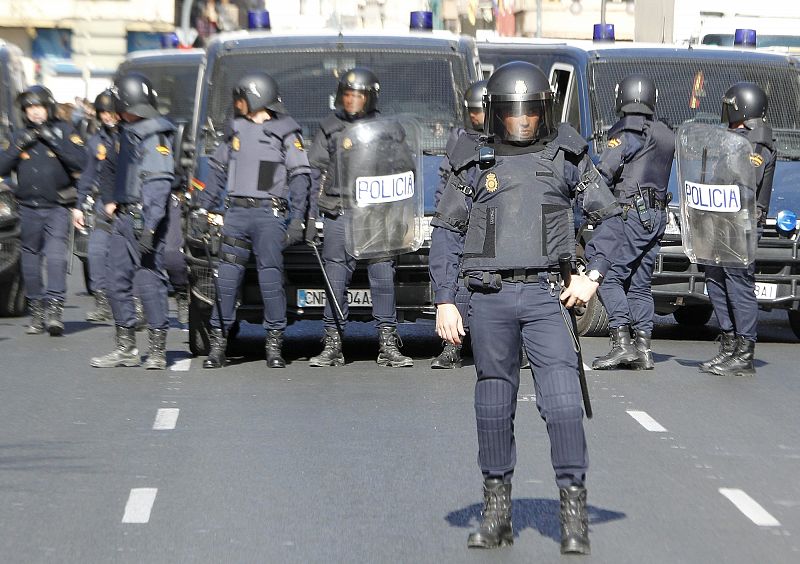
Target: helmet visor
column 520, row 121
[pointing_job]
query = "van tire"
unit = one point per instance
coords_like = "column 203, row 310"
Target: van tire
column 694, row 315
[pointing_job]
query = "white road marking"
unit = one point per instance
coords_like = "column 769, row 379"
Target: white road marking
column 166, row 418
column 646, row 421
column 182, row 365
column 586, row 367
column 139, row 505
column 750, row 507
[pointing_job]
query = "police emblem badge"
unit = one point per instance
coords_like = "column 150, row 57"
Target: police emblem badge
column 76, row 139
column 347, row 144
column 101, row 152
column 163, row 150
column 491, row 182
column 235, row 143
column 756, row 160
column 614, row 142
column 298, row 144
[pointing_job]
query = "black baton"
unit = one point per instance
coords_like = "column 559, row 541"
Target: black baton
column 337, row 310
column 216, row 287
column 565, row 267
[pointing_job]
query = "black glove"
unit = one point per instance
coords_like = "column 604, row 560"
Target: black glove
column 294, row 233
column 310, row 234
column 146, row 244
column 47, row 134
column 26, row 139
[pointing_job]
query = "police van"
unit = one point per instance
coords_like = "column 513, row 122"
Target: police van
column 12, row 82
column 691, row 82
column 422, row 74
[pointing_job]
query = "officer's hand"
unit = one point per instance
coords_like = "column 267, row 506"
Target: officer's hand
column 146, row 244
column 77, row 219
column 26, row 139
column 310, row 234
column 579, row 292
column 449, row 325
column 294, row 233
column 47, row 134
column 110, row 209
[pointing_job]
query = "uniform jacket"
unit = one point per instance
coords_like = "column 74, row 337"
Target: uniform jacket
column 100, row 147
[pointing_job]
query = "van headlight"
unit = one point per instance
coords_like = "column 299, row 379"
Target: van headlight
column 786, row 222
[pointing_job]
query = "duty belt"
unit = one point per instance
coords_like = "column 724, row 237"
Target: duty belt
column 129, row 208
column 277, row 204
column 527, row 275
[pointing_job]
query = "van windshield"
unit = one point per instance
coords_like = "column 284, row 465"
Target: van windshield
column 692, row 89
column 424, row 83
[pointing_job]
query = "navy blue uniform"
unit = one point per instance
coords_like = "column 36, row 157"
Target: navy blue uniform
column 638, row 157
column 142, row 182
column 45, row 194
column 339, row 264
column 505, row 231
column 99, row 147
column 731, row 289
column 263, row 169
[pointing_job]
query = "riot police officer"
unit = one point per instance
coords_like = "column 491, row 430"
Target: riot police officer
column 45, row 155
column 450, row 357
column 142, row 183
column 356, row 100
column 637, row 162
column 732, row 289
column 506, row 232
column 265, row 168
column 102, row 144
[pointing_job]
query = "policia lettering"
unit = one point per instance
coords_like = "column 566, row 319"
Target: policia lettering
column 265, row 169
column 505, row 232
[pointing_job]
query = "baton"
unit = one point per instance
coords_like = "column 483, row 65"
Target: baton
column 565, row 267
column 338, row 315
column 216, row 286
column 70, row 245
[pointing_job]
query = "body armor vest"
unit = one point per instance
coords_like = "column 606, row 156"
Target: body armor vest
column 761, row 138
column 135, row 140
column 650, row 167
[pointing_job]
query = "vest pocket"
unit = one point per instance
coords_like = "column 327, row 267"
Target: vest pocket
column 481, row 233
column 558, row 231
column 266, row 175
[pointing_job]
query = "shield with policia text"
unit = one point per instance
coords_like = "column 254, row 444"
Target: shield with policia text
column 379, row 167
column 717, row 185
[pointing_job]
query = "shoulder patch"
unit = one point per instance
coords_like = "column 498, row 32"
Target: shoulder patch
column 76, row 139
column 614, row 142
column 298, row 144
column 163, row 150
column 347, row 144
column 235, row 143
column 492, row 183
column 756, row 160
column 101, row 152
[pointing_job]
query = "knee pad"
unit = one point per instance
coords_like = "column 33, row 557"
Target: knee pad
column 494, row 401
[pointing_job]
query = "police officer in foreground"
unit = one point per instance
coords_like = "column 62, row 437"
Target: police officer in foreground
column 142, row 182
column 45, row 155
column 506, row 232
column 102, row 144
column 732, row 289
column 266, row 171
column 450, row 357
column 636, row 162
column 356, row 100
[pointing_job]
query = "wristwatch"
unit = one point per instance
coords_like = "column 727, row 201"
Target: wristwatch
column 595, row 276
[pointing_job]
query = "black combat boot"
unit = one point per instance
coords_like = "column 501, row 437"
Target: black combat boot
column 102, row 309
column 740, row 363
column 727, row 344
column 272, row 349
column 36, row 326
column 126, row 353
column 182, row 304
column 141, row 322
column 216, row 356
column 331, row 354
column 622, row 350
column 389, row 343
column 450, row 357
column 642, row 344
column 53, row 320
column 157, row 353
column 495, row 528
column 574, row 521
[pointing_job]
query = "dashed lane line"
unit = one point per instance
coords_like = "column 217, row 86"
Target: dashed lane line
column 139, row 506
column 166, row 419
column 750, row 507
column 647, row 422
column 182, row 365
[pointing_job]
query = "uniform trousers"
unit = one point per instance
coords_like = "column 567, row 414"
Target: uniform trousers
column 44, row 233
column 732, row 293
column 174, row 258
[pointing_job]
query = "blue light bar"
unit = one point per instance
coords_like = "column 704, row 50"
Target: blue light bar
column 169, row 40
column 258, row 19
column 421, row 21
column 603, row 32
column 745, row 38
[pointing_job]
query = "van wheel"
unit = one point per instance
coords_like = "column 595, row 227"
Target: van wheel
column 199, row 317
column 693, row 316
column 794, row 322
column 12, row 297
column 593, row 319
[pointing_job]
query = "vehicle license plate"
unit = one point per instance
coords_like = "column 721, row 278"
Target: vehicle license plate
column 317, row 298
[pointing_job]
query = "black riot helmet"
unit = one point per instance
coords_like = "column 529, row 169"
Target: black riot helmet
column 135, row 95
column 37, row 95
column 361, row 80
column 260, row 92
column 744, row 101
column 104, row 102
column 473, row 101
column 519, row 89
column 636, row 94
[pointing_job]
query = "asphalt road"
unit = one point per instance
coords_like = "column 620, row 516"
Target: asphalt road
column 367, row 464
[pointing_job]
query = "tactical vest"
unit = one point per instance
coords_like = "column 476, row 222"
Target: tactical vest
column 257, row 164
column 521, row 215
column 134, row 140
column 761, row 137
column 650, row 167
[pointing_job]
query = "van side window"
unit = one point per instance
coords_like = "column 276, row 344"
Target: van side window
column 566, row 108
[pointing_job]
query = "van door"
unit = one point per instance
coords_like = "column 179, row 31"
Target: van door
column 566, row 107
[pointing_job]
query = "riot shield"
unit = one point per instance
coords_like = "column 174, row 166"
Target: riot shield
column 717, row 183
column 379, row 170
